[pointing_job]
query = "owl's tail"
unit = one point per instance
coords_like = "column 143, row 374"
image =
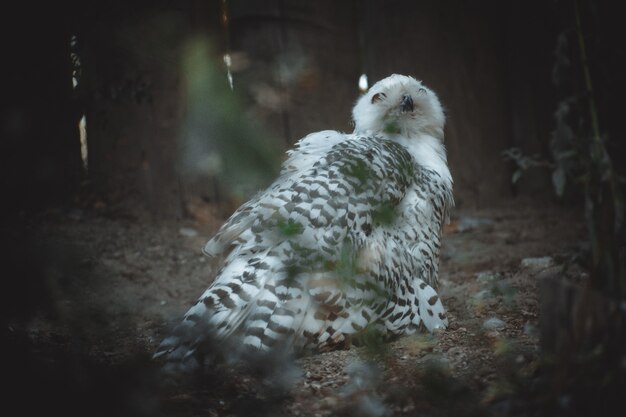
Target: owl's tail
column 430, row 311
column 248, row 308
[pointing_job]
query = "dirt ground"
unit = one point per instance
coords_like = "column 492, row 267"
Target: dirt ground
column 107, row 287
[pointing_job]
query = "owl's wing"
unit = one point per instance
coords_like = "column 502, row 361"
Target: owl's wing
column 305, row 153
column 326, row 170
column 294, row 273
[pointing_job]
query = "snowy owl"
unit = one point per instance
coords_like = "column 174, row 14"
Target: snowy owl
column 346, row 238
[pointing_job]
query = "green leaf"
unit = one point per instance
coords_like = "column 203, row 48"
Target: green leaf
column 384, row 214
column 290, row 228
column 392, row 128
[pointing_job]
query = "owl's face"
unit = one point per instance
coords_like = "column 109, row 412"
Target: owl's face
column 399, row 105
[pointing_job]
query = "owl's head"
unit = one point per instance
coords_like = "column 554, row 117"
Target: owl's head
column 399, row 105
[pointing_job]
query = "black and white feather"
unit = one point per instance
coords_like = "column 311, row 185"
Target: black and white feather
column 348, row 236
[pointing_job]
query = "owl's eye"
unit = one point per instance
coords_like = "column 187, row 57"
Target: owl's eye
column 378, row 97
column 422, row 90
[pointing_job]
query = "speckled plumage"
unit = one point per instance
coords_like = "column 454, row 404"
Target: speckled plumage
column 347, row 237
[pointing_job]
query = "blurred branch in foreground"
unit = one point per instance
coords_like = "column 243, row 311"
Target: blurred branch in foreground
column 219, row 140
column 583, row 325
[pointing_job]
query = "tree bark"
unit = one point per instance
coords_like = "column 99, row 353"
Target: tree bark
column 40, row 150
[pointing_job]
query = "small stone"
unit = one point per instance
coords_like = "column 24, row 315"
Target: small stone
column 75, row 214
column 486, row 277
column 330, row 402
column 537, row 264
column 470, row 223
column 482, row 295
column 188, row 232
column 565, row 401
column 493, row 323
column 530, row 329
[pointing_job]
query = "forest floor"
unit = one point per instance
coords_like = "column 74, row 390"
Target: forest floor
column 107, row 287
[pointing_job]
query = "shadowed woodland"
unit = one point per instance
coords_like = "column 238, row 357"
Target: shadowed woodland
column 131, row 131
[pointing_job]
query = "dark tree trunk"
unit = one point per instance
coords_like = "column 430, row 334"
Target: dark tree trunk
column 131, row 85
column 40, row 151
column 296, row 64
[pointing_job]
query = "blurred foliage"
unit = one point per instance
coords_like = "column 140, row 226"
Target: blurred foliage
column 449, row 395
column 219, row 139
column 524, row 162
column 374, row 343
column 290, row 228
column 580, row 157
column 587, row 374
column 580, row 151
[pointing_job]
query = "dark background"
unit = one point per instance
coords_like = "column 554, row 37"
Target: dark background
column 491, row 62
column 153, row 87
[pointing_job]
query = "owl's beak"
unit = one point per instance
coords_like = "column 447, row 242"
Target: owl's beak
column 406, row 104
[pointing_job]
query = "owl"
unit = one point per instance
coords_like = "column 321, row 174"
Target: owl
column 346, row 239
